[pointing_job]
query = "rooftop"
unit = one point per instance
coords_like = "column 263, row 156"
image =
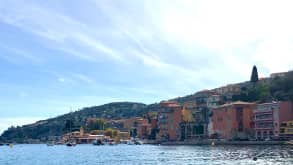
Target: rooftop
column 235, row 103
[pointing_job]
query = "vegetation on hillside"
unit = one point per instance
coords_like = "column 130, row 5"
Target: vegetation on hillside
column 273, row 89
column 46, row 129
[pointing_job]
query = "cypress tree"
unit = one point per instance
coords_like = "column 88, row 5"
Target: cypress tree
column 254, row 75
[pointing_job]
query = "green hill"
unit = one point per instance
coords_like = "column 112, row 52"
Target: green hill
column 56, row 126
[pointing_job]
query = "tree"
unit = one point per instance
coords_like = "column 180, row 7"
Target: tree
column 254, row 75
column 187, row 115
column 111, row 132
column 96, row 124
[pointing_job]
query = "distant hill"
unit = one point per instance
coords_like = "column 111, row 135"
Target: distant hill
column 56, row 126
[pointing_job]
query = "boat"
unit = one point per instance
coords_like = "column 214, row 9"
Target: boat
column 133, row 141
column 130, row 142
column 59, row 143
column 98, row 142
column 138, row 142
column 50, row 144
column 110, row 142
column 1, row 144
column 290, row 142
column 71, row 144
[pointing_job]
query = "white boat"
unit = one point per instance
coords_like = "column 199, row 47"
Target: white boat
column 50, row 143
column 130, row 142
column 134, row 142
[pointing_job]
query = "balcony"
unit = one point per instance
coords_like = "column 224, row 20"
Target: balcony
column 264, row 120
column 263, row 112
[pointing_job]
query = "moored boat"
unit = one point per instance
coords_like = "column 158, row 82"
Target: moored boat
column 98, row 142
column 52, row 143
column 71, row 144
column 134, row 141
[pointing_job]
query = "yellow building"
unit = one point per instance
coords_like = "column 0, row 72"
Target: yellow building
column 286, row 130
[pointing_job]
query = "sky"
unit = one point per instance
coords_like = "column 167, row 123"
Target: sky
column 62, row 55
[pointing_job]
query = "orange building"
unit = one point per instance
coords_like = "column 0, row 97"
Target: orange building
column 234, row 121
column 169, row 119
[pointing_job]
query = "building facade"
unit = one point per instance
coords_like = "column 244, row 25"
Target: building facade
column 286, row 130
column 268, row 118
column 169, row 119
column 233, row 121
column 205, row 101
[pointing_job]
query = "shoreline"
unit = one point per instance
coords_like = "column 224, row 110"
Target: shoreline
column 221, row 142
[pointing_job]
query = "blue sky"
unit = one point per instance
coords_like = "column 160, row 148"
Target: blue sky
column 61, row 55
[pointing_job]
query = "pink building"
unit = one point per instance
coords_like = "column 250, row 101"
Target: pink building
column 268, row 118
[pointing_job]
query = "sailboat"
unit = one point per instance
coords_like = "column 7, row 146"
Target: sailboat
column 70, row 143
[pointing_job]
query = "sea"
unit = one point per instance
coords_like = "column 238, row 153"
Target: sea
column 41, row 154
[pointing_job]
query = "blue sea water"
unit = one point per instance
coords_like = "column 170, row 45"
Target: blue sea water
column 41, row 154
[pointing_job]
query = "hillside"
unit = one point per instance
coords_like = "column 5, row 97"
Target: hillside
column 56, row 126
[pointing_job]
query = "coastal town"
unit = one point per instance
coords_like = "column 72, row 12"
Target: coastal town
column 211, row 117
column 242, row 113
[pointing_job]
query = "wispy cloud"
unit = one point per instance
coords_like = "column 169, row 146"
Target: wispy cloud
column 18, row 55
column 64, row 32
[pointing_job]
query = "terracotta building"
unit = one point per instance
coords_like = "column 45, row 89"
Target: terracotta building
column 169, row 119
column 143, row 129
column 268, row 118
column 234, row 120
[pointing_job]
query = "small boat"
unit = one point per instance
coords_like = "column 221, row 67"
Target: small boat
column 98, row 142
column 71, row 144
column 290, row 142
column 138, row 142
column 50, row 144
column 59, row 143
column 1, row 144
column 110, row 142
column 134, row 142
column 130, row 142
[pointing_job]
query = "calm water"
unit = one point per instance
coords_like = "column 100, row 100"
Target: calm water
column 143, row 154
